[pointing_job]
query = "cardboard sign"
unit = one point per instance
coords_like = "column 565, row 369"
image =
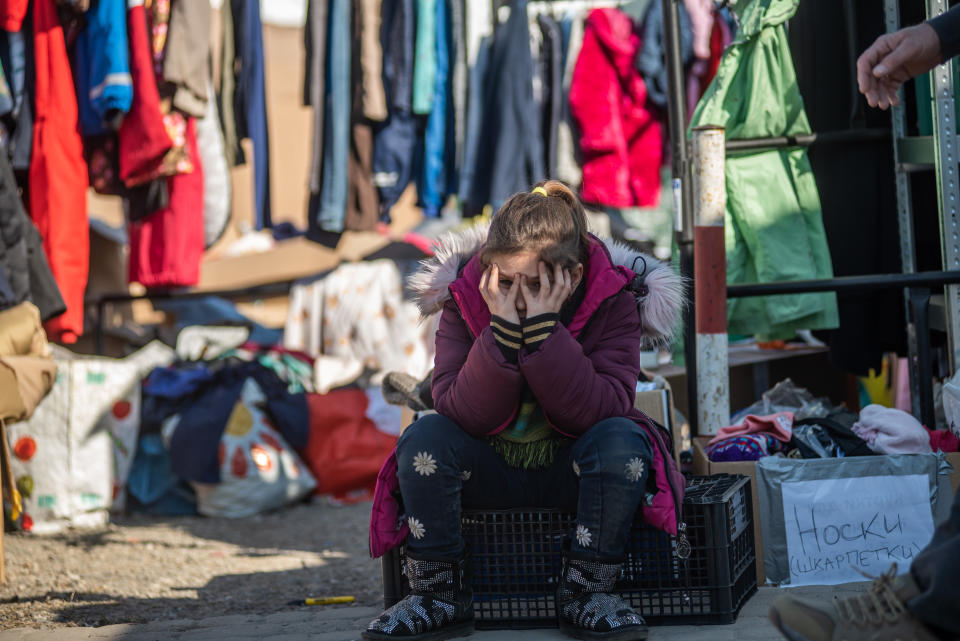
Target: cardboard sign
column 836, row 526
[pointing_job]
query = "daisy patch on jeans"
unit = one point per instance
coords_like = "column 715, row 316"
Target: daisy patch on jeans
column 424, row 464
column 416, row 528
column 584, row 536
column 634, row 469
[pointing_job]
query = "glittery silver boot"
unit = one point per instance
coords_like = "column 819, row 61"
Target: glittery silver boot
column 585, row 606
column 439, row 606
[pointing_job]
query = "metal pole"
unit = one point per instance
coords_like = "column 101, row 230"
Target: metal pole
column 808, row 140
column 680, row 184
column 948, row 186
column 920, row 317
column 908, row 263
column 710, row 278
column 98, row 334
column 859, row 284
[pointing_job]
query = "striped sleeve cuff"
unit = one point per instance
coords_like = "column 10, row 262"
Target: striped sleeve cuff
column 538, row 329
column 509, row 337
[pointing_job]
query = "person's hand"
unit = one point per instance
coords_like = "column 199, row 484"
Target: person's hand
column 500, row 303
column 550, row 295
column 893, row 59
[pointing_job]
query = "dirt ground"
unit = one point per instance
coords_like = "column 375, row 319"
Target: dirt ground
column 142, row 568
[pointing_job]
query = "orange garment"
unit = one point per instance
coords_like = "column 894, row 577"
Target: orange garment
column 58, row 172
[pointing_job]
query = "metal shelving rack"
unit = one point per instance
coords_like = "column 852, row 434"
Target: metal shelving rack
column 922, row 153
column 911, row 153
column 948, row 185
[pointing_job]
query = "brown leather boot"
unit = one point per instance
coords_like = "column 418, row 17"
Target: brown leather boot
column 879, row 614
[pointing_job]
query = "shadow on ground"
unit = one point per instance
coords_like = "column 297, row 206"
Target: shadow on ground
column 142, row 569
column 247, row 594
column 311, row 527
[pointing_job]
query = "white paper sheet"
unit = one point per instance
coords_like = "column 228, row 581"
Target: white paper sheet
column 836, row 526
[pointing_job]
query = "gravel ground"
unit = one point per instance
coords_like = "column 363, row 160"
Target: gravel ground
column 141, row 568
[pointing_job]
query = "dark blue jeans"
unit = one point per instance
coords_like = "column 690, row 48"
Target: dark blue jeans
column 602, row 476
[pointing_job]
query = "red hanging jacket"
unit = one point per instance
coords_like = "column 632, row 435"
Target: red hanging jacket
column 621, row 140
column 144, row 141
column 12, row 13
column 58, row 172
column 166, row 247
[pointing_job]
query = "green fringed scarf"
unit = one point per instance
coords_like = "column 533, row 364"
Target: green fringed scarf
column 529, row 443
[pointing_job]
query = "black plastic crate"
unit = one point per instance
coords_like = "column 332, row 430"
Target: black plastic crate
column 516, row 562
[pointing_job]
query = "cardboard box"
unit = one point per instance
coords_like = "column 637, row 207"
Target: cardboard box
column 289, row 260
column 407, row 416
column 658, row 405
column 953, row 458
column 703, row 466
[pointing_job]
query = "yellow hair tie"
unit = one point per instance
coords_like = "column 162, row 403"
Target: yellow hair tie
column 540, row 190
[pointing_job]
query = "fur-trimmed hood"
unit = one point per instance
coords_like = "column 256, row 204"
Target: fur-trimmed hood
column 658, row 288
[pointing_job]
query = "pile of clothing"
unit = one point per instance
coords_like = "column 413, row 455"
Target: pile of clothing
column 239, row 431
column 789, row 421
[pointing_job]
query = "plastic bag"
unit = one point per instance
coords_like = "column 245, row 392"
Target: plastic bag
column 785, row 396
column 951, row 403
column 350, row 436
column 71, row 459
column 819, row 442
column 258, row 470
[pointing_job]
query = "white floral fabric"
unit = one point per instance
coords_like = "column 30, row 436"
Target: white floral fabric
column 356, row 317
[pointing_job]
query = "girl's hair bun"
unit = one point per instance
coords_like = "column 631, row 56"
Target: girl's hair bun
column 549, row 220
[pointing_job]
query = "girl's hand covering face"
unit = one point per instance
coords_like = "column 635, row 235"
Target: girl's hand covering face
column 501, row 302
column 551, row 294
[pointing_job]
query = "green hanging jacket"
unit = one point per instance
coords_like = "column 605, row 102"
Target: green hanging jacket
column 425, row 56
column 774, row 224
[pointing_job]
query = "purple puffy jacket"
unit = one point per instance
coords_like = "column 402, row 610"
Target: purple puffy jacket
column 582, row 374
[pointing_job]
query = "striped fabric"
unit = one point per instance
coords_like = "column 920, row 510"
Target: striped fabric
column 509, row 337
column 537, row 329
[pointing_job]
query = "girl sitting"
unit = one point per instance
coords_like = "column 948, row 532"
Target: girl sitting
column 538, row 356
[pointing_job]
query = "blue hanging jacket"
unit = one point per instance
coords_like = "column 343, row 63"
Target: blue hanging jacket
column 250, row 103
column 104, row 84
column 510, row 155
column 434, row 182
